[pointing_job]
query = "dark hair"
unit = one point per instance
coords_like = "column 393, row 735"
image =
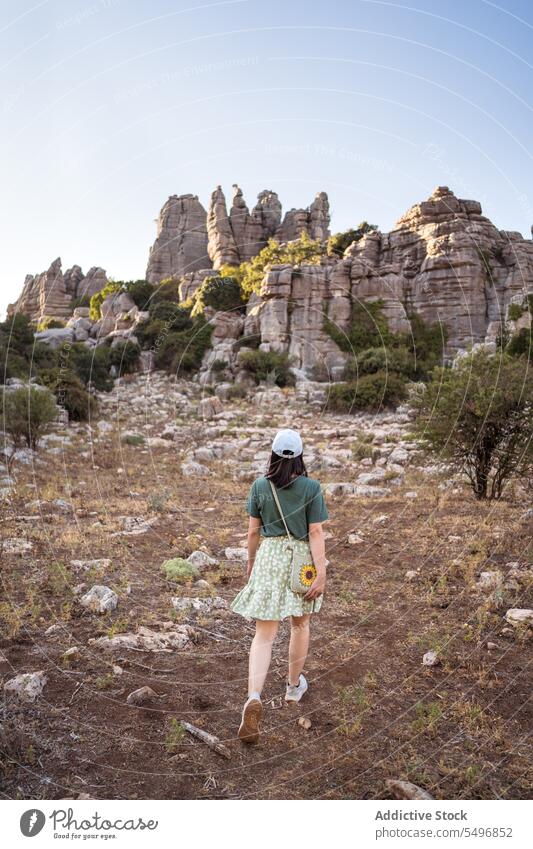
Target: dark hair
column 282, row 470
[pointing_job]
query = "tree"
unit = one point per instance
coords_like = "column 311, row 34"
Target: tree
column 479, row 416
column 220, row 293
column 250, row 274
column 338, row 242
column 26, row 412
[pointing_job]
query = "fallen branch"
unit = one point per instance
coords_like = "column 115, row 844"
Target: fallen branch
column 210, row 740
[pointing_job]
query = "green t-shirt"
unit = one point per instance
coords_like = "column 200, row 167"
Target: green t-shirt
column 302, row 503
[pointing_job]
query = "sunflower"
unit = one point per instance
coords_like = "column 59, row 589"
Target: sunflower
column 307, row 574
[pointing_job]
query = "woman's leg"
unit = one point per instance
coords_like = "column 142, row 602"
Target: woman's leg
column 261, row 653
column 298, row 646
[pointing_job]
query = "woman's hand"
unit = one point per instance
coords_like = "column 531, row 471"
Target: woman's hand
column 317, row 587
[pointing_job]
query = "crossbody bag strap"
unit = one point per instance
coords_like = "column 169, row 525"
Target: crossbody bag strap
column 276, row 499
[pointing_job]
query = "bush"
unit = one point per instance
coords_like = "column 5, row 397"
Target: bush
column 220, row 293
column 167, row 290
column 16, row 341
column 479, row 416
column 50, row 323
column 368, row 328
column 140, row 291
column 521, row 344
column 172, row 314
column 99, row 297
column 184, row 350
column 371, row 392
column 338, row 242
column 372, row 360
column 70, row 393
column 82, row 301
column 125, row 356
column 26, row 413
column 515, row 311
column 250, row 274
column 179, row 571
column 269, row 366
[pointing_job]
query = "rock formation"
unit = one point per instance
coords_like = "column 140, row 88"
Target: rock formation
column 221, row 245
column 314, row 221
column 181, row 243
column 443, row 260
column 50, row 294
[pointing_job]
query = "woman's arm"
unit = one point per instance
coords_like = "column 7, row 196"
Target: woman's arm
column 254, row 528
column 318, row 550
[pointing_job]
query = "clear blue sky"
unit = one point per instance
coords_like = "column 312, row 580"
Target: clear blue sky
column 109, row 106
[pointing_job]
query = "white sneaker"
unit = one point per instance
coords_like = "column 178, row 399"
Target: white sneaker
column 251, row 717
column 295, row 691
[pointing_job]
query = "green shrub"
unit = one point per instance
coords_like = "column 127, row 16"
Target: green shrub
column 521, row 344
column 125, row 356
column 133, row 439
column 250, row 274
column 140, row 291
column 371, row 392
column 70, row 393
column 479, row 416
column 91, row 365
column 50, row 323
column 99, row 297
column 179, row 571
column 25, row 414
column 182, row 351
column 220, row 293
column 16, row 341
column 270, row 366
column 338, row 242
column 173, row 315
column 167, row 290
column 368, row 328
column 515, row 311
column 396, row 360
column 82, row 301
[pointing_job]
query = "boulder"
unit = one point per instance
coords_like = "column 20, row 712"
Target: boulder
column 26, row 687
column 100, row 599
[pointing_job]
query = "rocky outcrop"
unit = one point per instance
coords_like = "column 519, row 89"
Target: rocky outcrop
column 239, row 236
column 314, row 221
column 181, row 243
column 221, row 245
column 50, row 294
column 443, row 260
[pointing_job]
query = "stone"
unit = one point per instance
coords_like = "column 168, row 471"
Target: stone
column 221, row 246
column 101, row 564
column 209, row 407
column 239, row 554
column 201, row 559
column 26, row 687
column 411, row 575
column 430, row 659
column 490, row 580
column 50, row 294
column 167, row 640
column 198, row 605
column 355, row 539
column 192, row 469
column 100, row 599
column 135, row 525
column 142, row 696
column 16, row 546
column 517, row 616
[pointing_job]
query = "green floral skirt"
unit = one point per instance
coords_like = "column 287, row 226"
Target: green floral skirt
column 268, row 595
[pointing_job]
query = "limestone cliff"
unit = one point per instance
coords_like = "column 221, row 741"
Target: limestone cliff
column 181, row 243
column 50, row 294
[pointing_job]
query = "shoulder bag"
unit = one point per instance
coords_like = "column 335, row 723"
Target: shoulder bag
column 303, row 570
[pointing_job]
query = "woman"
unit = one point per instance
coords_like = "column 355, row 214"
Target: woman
column 267, row 597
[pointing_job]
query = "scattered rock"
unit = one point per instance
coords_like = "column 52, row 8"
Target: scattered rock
column 198, row 605
column 201, row 559
column 209, row 407
column 100, row 599
column 304, row 722
column 192, row 468
column 84, row 565
column 489, row 580
column 135, row 525
column 411, row 575
column 430, row 659
column 27, row 686
column 355, row 539
column 142, row 696
column 406, row 790
column 16, row 546
column 175, row 637
column 240, row 554
column 519, row 616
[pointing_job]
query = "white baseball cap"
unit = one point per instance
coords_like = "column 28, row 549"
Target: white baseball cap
column 288, row 443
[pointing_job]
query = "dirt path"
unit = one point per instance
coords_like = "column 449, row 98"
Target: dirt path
column 459, row 729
